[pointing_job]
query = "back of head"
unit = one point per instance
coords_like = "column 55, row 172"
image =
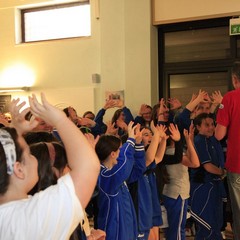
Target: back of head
column 65, row 110
column 45, row 172
column 60, row 161
column 41, row 136
column 50, row 156
column 105, row 145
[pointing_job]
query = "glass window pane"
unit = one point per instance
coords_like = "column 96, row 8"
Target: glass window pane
column 197, row 45
column 63, row 22
column 182, row 86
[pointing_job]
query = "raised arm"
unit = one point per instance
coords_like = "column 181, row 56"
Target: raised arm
column 162, row 143
column 216, row 100
column 201, row 97
column 152, row 149
column 82, row 158
column 191, row 158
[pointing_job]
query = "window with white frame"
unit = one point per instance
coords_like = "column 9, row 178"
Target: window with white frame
column 56, row 22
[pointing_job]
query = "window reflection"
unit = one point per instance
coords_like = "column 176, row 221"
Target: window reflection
column 182, row 86
column 197, row 45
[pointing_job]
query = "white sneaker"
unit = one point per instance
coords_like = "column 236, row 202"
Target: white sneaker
column 223, row 235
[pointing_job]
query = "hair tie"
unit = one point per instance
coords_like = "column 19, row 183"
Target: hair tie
column 52, row 152
column 9, row 150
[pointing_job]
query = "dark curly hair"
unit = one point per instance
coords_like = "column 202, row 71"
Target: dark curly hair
column 105, row 145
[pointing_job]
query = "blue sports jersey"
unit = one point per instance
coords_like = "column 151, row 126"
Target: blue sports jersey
column 117, row 215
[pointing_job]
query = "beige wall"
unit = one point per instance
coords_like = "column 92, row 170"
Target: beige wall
column 119, row 50
column 169, row 11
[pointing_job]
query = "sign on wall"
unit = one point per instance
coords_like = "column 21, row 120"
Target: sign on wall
column 234, row 26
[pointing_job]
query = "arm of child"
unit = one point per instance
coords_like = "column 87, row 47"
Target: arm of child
column 191, row 158
column 82, row 158
column 152, row 149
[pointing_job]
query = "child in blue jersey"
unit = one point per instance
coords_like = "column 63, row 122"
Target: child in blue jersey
column 116, row 215
column 207, row 190
column 154, row 140
column 141, row 187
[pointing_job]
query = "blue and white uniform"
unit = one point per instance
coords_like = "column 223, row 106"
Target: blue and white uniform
column 141, row 193
column 207, row 190
column 156, row 207
column 117, row 215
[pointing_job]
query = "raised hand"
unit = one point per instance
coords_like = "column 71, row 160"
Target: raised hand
column 194, row 96
column 162, row 106
column 175, row 134
column 161, row 110
column 46, row 111
column 110, row 104
column 138, row 134
column 121, row 124
column 93, row 141
column 111, row 129
column 175, row 103
column 189, row 134
column 202, row 96
column 119, row 103
column 18, row 117
column 154, row 129
column 162, row 131
column 216, row 97
column 143, row 109
column 131, row 130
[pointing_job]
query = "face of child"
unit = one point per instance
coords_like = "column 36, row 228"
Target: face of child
column 43, row 126
column 90, row 116
column 202, row 108
column 165, row 111
column 29, row 164
column 122, row 116
column 207, row 127
column 147, row 115
column 72, row 114
column 146, row 136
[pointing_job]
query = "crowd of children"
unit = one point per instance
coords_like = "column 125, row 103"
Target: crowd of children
column 167, row 155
